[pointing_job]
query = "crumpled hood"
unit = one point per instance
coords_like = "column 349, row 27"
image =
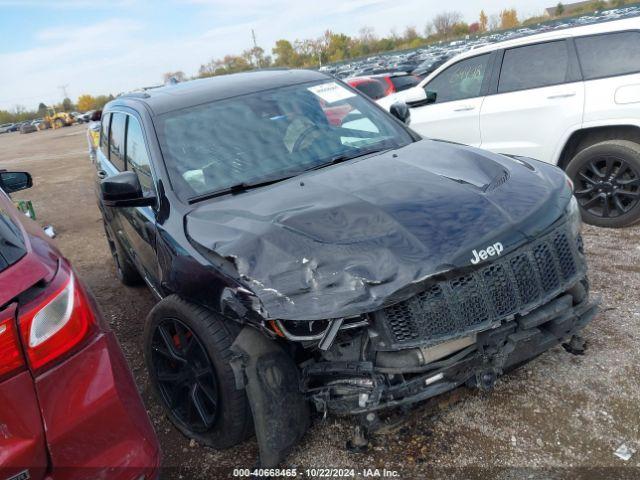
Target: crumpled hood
column 353, row 237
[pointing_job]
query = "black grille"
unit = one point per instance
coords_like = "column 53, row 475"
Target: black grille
column 514, row 283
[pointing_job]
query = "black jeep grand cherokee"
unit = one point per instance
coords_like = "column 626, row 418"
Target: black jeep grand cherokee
column 311, row 252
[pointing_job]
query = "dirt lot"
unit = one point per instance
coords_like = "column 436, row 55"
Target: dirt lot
column 560, row 416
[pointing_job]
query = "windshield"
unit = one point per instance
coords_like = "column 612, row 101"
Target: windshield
column 271, row 134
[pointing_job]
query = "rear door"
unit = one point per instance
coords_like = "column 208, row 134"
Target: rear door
column 536, row 100
column 611, row 67
column 124, row 147
column 111, row 161
column 455, row 115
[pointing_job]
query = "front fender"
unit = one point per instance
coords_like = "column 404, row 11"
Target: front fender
column 271, row 379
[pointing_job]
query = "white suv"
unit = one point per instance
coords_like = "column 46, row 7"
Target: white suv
column 569, row 97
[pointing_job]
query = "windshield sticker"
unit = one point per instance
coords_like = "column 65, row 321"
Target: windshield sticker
column 331, row 92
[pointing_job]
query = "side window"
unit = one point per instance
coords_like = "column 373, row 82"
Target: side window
column 104, row 134
column 116, row 140
column 609, row 55
column 534, row 66
column 137, row 157
column 461, row 80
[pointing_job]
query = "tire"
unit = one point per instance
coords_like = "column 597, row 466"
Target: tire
column 59, row 123
column 606, row 179
column 232, row 422
column 126, row 271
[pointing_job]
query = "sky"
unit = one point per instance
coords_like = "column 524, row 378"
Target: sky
column 111, row 46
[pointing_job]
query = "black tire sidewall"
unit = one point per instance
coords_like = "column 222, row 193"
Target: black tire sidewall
column 233, row 422
column 630, row 152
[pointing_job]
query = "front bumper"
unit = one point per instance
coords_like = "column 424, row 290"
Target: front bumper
column 350, row 388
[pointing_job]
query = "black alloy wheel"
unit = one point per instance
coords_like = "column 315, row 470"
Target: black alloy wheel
column 188, row 353
column 608, row 186
column 606, row 180
column 185, row 375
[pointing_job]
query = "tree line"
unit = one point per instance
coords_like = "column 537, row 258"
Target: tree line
column 333, row 47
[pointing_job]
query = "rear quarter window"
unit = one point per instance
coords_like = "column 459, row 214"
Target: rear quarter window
column 609, row 55
column 104, row 134
column 116, row 140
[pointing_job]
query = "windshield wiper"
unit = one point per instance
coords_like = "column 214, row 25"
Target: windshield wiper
column 241, row 187
column 344, row 157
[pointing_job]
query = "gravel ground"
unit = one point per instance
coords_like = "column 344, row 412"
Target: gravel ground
column 559, row 416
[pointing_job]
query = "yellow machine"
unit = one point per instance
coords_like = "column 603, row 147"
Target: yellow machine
column 55, row 119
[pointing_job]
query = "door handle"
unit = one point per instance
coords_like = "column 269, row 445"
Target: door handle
column 465, row 108
column 101, row 174
column 562, row 95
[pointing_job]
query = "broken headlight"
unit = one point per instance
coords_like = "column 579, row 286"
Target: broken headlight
column 304, row 330
column 574, row 218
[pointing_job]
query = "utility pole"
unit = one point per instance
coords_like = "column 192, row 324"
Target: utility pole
column 256, row 59
column 63, row 88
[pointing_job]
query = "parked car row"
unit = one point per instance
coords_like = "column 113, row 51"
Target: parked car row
column 422, row 61
column 30, row 126
column 9, row 127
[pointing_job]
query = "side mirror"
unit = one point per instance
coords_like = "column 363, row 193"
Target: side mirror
column 417, row 97
column 15, row 181
column 400, row 110
column 414, row 96
column 124, row 190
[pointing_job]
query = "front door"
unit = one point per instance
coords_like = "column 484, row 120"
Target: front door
column 455, row 115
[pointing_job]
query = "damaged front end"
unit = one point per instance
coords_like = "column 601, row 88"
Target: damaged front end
column 468, row 327
column 463, row 328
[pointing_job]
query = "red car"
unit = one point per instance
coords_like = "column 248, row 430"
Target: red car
column 69, row 408
column 380, row 85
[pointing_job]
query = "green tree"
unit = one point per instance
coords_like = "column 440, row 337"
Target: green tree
column 285, row 54
column 460, row 29
column 256, row 57
column 559, row 9
column 338, row 46
column 67, row 104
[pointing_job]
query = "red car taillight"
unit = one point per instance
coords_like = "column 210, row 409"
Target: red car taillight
column 58, row 321
column 391, row 88
column 11, row 359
